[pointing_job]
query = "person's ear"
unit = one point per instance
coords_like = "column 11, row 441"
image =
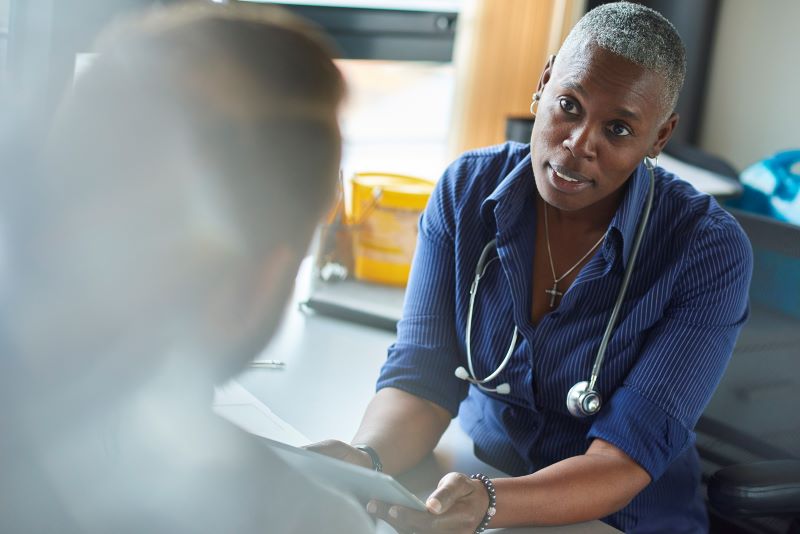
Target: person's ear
column 250, row 300
column 546, row 72
column 274, row 284
column 664, row 133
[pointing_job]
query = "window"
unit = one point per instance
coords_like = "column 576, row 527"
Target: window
column 397, row 116
column 396, row 56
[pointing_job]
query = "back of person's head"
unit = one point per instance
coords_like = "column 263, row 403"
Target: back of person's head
column 640, row 35
column 181, row 183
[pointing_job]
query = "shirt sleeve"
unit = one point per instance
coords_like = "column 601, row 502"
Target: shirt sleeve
column 652, row 416
column 423, row 359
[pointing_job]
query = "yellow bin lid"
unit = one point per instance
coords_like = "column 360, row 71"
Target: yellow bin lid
column 395, row 190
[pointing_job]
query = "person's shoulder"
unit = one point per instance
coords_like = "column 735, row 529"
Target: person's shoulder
column 685, row 206
column 496, row 157
column 698, row 221
column 509, row 149
column 476, row 173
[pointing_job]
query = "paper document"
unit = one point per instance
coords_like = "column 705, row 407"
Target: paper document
column 702, row 180
column 242, row 408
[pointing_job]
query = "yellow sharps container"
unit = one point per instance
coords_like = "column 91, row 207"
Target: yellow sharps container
column 384, row 215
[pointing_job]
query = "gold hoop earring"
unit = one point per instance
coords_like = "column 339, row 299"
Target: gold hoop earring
column 536, row 97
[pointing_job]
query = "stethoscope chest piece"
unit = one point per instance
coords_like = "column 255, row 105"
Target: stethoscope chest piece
column 583, row 402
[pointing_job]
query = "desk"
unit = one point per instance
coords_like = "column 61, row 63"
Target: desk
column 329, row 377
column 702, row 179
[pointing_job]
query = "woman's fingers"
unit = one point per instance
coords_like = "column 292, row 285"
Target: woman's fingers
column 402, row 519
column 462, row 518
column 458, row 506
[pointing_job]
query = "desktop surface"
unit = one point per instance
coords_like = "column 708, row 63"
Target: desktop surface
column 328, row 379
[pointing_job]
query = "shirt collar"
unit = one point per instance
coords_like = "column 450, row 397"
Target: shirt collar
column 626, row 218
column 504, row 204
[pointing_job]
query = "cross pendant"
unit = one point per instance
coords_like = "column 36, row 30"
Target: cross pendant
column 554, row 293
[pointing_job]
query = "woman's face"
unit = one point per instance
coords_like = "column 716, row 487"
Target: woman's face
column 599, row 115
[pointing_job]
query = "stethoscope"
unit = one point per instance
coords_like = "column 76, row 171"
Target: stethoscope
column 582, row 399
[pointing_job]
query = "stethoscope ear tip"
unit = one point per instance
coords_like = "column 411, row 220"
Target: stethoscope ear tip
column 502, row 389
column 462, row 373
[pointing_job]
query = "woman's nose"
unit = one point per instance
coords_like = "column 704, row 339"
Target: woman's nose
column 580, row 142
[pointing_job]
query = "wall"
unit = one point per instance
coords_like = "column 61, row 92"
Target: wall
column 752, row 108
column 501, row 48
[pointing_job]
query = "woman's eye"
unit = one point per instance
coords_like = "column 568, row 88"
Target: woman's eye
column 620, row 130
column 568, row 106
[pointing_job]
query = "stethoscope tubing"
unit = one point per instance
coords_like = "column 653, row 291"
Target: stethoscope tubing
column 473, row 290
column 612, row 320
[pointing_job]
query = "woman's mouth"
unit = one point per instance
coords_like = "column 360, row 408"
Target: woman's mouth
column 567, row 181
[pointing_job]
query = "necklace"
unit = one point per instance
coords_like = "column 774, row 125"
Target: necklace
column 554, row 292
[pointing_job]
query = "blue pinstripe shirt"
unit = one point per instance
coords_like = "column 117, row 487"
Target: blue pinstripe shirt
column 686, row 303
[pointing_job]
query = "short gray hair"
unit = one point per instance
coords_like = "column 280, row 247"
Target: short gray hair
column 640, row 35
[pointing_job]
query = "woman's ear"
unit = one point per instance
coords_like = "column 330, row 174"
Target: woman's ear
column 664, row 133
column 545, row 76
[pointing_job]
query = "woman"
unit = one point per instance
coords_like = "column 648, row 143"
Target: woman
column 565, row 213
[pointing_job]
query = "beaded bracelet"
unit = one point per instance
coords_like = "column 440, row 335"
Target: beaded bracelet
column 492, row 509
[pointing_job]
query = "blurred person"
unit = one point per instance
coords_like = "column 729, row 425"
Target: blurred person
column 149, row 253
column 551, row 230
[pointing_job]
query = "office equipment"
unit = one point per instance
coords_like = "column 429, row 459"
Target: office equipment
column 699, row 159
column 349, row 300
column 776, row 255
column 708, row 181
column 362, row 483
column 406, row 30
column 752, row 416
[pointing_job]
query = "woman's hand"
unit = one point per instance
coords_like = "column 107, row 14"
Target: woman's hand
column 457, row 506
column 341, row 451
